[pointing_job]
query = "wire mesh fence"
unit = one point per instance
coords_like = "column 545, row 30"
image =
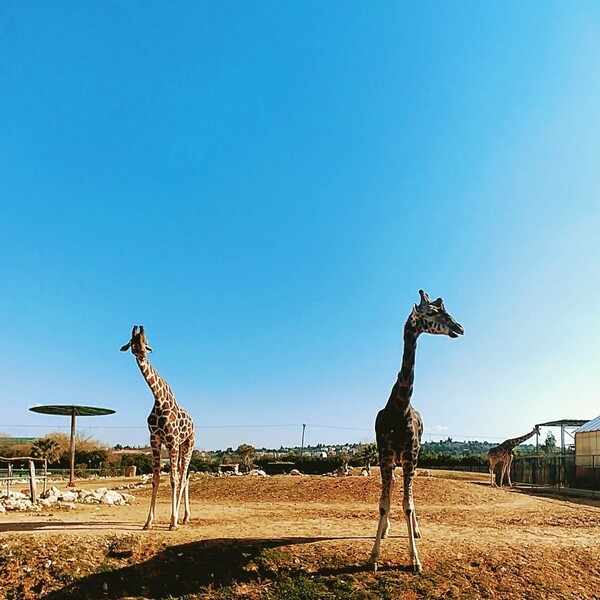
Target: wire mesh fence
column 559, row 470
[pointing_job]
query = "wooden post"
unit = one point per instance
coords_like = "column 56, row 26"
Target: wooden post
column 32, row 482
column 9, row 470
column 45, row 475
column 72, row 452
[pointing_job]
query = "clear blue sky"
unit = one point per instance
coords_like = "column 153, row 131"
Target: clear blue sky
column 266, row 185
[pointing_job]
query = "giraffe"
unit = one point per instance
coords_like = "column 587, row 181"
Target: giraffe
column 170, row 425
column 398, row 427
column 504, row 454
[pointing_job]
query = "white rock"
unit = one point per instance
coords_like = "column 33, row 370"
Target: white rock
column 68, row 496
column 257, row 473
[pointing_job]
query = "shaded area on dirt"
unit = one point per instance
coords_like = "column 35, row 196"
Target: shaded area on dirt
column 183, row 569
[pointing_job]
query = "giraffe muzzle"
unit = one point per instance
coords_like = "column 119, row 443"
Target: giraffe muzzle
column 456, row 331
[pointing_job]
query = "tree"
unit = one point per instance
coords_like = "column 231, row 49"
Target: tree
column 247, row 453
column 549, row 446
column 47, row 447
column 369, row 455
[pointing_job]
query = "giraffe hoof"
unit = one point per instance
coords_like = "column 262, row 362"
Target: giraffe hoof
column 173, row 527
column 416, row 568
column 374, row 567
column 147, row 527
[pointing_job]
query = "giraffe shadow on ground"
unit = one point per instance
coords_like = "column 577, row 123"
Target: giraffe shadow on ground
column 569, row 497
column 63, row 526
column 188, row 569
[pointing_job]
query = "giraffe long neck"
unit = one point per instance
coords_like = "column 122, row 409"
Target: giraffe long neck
column 159, row 387
column 516, row 441
column 403, row 389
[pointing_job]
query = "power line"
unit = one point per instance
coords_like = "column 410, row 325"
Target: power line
column 444, row 434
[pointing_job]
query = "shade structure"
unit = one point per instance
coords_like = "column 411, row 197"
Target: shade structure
column 72, row 410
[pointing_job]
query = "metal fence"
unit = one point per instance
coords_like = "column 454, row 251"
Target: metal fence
column 559, row 470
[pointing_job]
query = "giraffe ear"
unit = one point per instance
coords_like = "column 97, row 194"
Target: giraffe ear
column 148, row 349
column 125, row 347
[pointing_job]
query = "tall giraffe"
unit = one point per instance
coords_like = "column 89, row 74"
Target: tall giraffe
column 398, row 426
column 170, row 425
column 504, row 454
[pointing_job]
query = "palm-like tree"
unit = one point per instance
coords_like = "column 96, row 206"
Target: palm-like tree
column 46, row 447
column 246, row 454
column 368, row 453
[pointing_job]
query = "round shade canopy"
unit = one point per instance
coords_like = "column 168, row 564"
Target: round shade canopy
column 70, row 409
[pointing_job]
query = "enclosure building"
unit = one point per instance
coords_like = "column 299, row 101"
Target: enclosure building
column 587, row 454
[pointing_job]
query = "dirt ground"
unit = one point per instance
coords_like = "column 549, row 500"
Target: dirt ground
column 307, row 537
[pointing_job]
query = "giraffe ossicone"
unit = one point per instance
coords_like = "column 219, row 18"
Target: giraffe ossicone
column 170, row 426
column 398, row 426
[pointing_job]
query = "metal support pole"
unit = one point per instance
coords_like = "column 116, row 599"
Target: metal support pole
column 72, row 452
column 302, row 446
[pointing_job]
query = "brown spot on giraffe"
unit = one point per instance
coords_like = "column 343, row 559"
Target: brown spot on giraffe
column 503, row 454
column 398, row 426
column 170, row 426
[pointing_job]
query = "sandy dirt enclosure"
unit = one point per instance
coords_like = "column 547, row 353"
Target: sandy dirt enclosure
column 307, row 537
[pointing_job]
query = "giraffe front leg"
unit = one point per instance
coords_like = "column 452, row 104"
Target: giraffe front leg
column 384, row 512
column 155, row 444
column 408, row 506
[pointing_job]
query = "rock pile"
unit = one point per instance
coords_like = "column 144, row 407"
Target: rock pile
column 63, row 499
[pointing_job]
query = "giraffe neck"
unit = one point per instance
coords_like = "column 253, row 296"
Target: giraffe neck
column 403, row 389
column 516, row 441
column 159, row 387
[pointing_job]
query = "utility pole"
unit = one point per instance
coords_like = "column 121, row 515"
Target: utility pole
column 302, row 446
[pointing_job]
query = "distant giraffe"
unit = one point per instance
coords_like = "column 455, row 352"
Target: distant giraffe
column 504, row 454
column 170, row 425
column 398, row 426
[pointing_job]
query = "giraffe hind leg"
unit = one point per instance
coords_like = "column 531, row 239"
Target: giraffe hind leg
column 493, row 474
column 174, row 473
column 185, row 457
column 384, row 510
column 510, row 459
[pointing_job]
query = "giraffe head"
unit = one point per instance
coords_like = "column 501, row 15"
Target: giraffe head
column 536, row 429
column 138, row 343
column 431, row 317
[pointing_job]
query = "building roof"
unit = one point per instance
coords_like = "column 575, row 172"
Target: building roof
column 564, row 422
column 593, row 425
